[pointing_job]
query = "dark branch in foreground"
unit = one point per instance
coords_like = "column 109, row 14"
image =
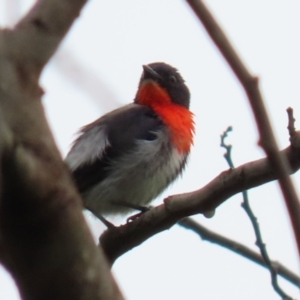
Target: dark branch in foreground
column 45, row 242
column 117, row 241
column 250, row 85
column 238, row 248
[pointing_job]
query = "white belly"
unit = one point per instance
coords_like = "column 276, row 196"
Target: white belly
column 137, row 178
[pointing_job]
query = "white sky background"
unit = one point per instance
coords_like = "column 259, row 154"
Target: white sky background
column 111, row 40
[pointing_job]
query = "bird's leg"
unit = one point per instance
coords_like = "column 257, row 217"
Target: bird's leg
column 135, row 216
column 141, row 208
column 106, row 222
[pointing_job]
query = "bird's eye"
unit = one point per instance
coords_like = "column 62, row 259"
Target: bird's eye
column 173, row 79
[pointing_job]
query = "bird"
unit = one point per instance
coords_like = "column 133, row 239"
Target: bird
column 129, row 156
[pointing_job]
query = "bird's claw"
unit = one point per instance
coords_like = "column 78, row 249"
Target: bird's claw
column 142, row 208
column 135, row 216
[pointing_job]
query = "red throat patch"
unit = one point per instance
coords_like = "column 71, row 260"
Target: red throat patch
column 176, row 117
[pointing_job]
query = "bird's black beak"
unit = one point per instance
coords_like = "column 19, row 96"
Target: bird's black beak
column 149, row 73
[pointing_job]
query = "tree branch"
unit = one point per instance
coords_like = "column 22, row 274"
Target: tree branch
column 254, row 221
column 6, row 143
column 40, row 32
column 117, row 241
column 45, row 242
column 250, row 85
column 238, row 248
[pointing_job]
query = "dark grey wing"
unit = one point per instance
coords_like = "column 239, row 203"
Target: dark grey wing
column 115, row 133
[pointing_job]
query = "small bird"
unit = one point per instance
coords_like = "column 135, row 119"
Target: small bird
column 127, row 157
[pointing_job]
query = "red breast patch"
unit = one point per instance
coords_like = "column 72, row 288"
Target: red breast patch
column 176, row 117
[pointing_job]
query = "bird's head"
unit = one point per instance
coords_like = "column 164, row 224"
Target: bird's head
column 160, row 83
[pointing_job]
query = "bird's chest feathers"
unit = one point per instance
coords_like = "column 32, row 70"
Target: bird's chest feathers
column 177, row 118
column 180, row 123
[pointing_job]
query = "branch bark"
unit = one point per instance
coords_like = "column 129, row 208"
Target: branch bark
column 44, row 241
column 117, row 241
column 250, row 85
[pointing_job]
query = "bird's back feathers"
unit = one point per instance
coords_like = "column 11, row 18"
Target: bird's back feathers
column 106, row 139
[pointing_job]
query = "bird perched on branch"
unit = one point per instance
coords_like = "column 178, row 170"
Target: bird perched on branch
column 129, row 156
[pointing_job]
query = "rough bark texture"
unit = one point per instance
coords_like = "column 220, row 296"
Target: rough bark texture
column 44, row 241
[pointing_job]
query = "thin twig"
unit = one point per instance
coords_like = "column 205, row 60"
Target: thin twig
column 259, row 241
column 213, row 237
column 294, row 137
column 250, row 85
column 291, row 123
column 227, row 154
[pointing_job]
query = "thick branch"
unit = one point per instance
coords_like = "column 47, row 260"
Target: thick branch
column 6, row 142
column 47, row 246
column 40, row 32
column 45, row 242
column 250, row 84
column 117, row 241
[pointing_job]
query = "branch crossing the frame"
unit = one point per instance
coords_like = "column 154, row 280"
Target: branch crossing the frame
column 259, row 241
